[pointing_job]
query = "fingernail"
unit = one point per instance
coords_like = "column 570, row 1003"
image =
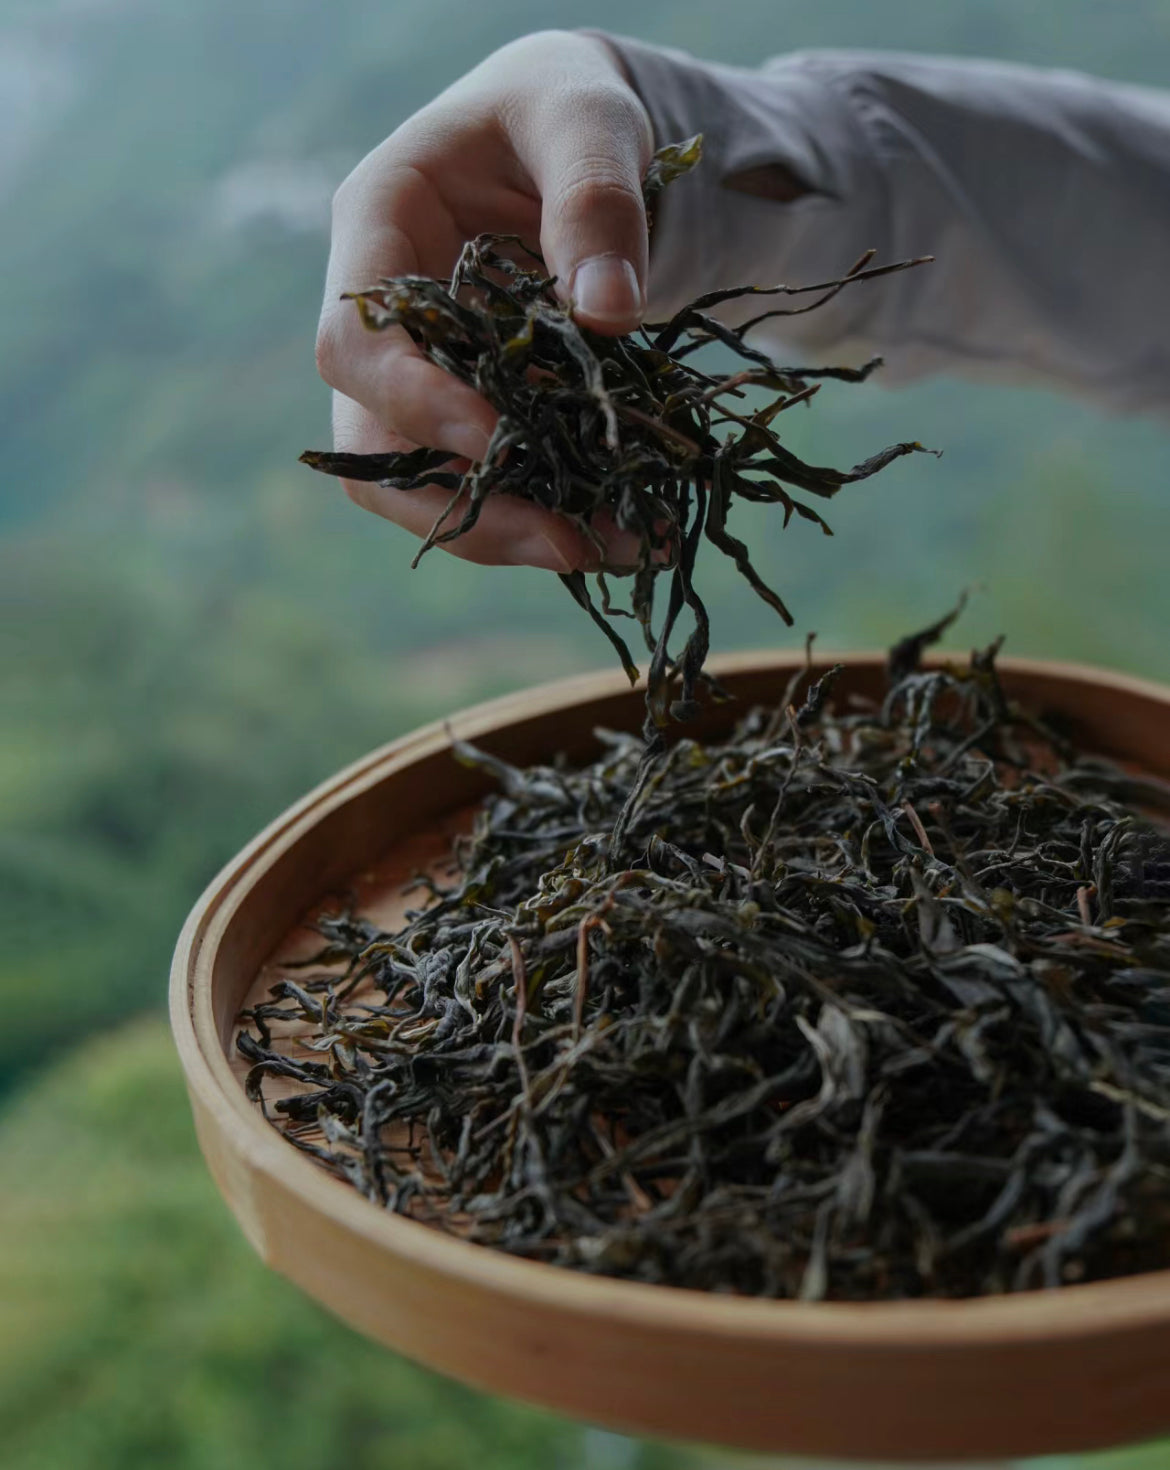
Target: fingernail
column 606, row 288
column 540, row 550
column 465, row 439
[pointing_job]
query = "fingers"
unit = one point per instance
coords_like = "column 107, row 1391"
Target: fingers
column 509, row 532
column 384, row 371
column 586, row 140
column 547, row 129
column 549, row 124
column 407, row 394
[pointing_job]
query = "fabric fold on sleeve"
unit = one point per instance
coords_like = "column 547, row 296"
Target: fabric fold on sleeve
column 1044, row 197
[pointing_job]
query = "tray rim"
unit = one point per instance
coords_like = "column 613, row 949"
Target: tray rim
column 1085, row 1311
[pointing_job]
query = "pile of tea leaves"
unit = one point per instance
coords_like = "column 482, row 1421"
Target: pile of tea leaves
column 871, row 1001
column 629, row 427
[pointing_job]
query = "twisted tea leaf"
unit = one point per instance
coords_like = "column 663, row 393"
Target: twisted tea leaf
column 868, row 1003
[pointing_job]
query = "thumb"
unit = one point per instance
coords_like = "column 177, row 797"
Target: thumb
column 589, row 148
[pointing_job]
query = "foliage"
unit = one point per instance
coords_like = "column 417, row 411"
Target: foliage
column 139, row 1306
column 152, row 729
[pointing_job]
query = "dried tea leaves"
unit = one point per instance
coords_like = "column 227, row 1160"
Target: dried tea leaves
column 628, row 426
column 871, row 1002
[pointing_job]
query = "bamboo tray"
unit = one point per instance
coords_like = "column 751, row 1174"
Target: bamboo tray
column 1035, row 1373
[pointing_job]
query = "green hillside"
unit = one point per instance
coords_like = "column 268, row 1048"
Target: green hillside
column 136, row 1327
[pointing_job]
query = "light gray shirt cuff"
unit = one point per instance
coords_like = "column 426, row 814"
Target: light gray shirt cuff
column 1043, row 195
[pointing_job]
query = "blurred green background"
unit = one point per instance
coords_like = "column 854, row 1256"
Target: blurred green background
column 193, row 630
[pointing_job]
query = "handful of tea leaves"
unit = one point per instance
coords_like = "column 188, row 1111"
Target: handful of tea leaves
column 626, row 425
column 868, row 1002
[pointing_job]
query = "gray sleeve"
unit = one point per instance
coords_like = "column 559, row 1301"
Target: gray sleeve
column 1044, row 197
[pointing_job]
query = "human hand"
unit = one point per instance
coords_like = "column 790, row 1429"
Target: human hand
column 544, row 139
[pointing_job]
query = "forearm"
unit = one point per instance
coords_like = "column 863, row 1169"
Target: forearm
column 1044, row 196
